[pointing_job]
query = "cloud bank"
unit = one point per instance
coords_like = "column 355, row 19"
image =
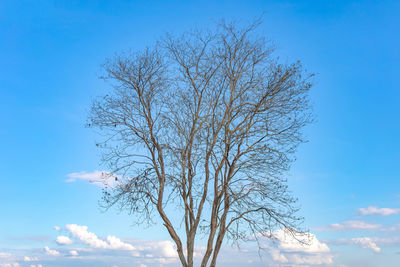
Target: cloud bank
column 363, row 242
column 51, row 252
column 352, row 225
column 372, row 210
column 297, row 249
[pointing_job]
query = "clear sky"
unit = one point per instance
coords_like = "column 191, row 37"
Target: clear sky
column 346, row 177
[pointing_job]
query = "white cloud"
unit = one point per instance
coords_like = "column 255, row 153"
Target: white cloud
column 26, row 258
column 366, row 242
column 316, row 259
column 57, row 228
column 81, row 232
column 8, row 260
column 116, row 243
column 5, row 255
column 73, row 253
column 51, row 252
column 63, row 240
column 289, row 249
column 159, row 248
column 161, row 251
column 372, row 210
column 352, row 225
column 300, row 242
column 167, row 249
column 278, row 256
column 100, row 178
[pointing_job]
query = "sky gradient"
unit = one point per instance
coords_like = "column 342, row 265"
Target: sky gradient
column 346, row 177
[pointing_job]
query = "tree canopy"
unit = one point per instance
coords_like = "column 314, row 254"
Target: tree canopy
column 208, row 123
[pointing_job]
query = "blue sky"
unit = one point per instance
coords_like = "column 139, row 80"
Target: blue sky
column 51, row 52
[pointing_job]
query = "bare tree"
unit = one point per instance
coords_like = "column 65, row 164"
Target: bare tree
column 207, row 124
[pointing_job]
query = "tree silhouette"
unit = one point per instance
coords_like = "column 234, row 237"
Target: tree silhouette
column 204, row 124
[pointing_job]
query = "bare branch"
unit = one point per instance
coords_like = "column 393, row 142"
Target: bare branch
column 208, row 122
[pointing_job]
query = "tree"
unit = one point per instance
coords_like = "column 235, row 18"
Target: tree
column 206, row 123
